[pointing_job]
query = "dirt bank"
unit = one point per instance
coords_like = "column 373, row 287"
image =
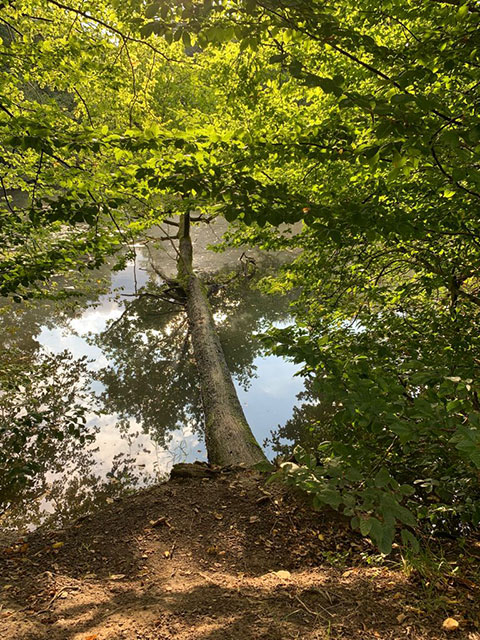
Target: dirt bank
column 215, row 559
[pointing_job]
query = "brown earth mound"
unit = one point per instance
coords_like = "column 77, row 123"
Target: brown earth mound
column 216, row 558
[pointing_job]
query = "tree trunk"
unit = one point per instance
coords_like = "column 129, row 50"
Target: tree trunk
column 228, row 436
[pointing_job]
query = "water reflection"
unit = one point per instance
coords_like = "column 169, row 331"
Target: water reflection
column 136, row 386
column 151, row 376
column 306, row 426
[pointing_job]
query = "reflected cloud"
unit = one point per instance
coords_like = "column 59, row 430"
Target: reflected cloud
column 143, row 410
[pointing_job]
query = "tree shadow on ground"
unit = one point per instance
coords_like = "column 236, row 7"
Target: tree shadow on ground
column 209, row 559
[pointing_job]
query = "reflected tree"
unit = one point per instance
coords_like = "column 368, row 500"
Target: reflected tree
column 47, row 407
column 43, row 412
column 308, row 426
column 151, row 376
column 49, row 463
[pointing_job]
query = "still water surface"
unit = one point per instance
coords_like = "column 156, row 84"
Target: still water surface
column 145, row 412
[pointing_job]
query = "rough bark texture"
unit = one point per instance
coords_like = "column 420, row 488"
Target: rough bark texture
column 228, row 436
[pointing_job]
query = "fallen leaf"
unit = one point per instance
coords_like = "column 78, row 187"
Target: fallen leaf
column 110, row 500
column 94, row 637
column 401, row 617
column 166, row 554
column 254, row 519
column 450, row 624
column 57, row 545
column 116, row 576
column 282, row 574
column 416, row 610
column 218, row 516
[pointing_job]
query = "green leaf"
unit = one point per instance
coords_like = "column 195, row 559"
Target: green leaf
column 386, row 541
column 331, row 497
column 410, row 540
column 354, row 474
column 406, row 490
column 382, row 478
column 152, row 10
column 366, row 525
column 295, row 68
column 264, row 466
column 462, row 13
column 278, row 57
column 328, row 85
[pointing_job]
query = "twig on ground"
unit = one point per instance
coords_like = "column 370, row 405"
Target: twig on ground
column 54, row 599
column 310, row 611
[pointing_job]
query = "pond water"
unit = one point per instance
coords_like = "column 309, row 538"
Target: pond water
column 141, row 397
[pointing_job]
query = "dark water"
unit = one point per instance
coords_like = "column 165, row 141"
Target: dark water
column 140, row 392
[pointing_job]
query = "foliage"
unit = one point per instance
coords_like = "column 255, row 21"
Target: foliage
column 369, row 133
column 42, row 417
column 85, row 146
column 358, row 120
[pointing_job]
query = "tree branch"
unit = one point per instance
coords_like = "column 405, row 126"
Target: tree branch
column 450, row 178
column 84, row 105
column 472, row 297
column 6, row 196
column 456, row 3
column 111, row 28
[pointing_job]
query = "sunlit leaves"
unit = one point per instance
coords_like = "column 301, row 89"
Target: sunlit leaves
column 359, row 120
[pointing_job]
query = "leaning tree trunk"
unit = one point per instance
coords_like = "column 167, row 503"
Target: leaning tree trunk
column 228, row 436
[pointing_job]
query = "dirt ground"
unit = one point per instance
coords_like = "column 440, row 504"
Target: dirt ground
column 217, row 559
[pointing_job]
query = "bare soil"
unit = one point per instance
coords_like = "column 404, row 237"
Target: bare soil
column 214, row 559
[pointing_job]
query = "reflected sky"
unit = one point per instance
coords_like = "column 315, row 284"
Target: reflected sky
column 142, row 426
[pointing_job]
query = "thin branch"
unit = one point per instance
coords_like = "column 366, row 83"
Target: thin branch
column 9, row 26
column 450, row 178
column 473, row 298
column 5, row 110
column 404, row 26
column 352, row 57
column 84, row 105
column 158, row 271
column 75, row 20
column 27, row 15
column 62, row 161
column 111, row 28
column 39, row 168
column 148, row 78
column 134, row 85
column 202, row 218
column 6, row 196
column 310, row 611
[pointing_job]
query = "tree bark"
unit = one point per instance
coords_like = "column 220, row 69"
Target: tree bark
column 228, row 436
